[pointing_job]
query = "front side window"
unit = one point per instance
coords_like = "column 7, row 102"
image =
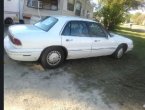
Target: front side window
column 43, row 4
column 70, row 5
column 95, row 30
column 46, row 23
column 76, row 28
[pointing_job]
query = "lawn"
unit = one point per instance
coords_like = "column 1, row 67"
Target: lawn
column 121, row 81
column 138, row 36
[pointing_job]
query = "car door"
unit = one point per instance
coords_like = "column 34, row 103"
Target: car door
column 76, row 40
column 101, row 42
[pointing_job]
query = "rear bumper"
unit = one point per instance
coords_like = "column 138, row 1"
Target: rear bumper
column 21, row 54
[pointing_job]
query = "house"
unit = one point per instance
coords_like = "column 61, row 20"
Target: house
column 38, row 8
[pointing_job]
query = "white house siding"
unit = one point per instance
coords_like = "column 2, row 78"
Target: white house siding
column 43, row 12
column 85, row 6
column 11, row 6
column 13, row 9
column 62, row 9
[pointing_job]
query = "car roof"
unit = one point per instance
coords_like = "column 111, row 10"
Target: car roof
column 68, row 18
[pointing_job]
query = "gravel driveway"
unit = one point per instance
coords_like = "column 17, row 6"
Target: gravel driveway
column 27, row 86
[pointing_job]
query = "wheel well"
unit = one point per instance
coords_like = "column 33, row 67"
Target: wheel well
column 63, row 48
column 124, row 46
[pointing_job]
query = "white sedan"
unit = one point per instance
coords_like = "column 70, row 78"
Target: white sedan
column 57, row 38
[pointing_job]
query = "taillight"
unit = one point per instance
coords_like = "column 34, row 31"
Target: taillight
column 14, row 40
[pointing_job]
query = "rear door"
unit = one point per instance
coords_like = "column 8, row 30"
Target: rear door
column 76, row 39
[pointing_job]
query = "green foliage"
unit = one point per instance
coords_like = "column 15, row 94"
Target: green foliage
column 114, row 11
column 127, row 17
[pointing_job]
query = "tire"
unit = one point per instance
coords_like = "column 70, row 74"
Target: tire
column 8, row 21
column 119, row 52
column 52, row 57
column 21, row 21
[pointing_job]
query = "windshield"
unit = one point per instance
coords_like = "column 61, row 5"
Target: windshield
column 46, row 23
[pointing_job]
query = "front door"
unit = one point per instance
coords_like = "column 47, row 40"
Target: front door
column 101, row 43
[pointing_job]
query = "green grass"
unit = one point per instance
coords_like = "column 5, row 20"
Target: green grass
column 138, row 37
column 131, row 32
column 122, row 81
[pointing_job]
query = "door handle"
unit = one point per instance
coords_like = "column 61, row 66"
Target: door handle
column 96, row 40
column 69, row 40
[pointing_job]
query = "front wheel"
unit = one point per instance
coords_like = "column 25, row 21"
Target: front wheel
column 119, row 52
column 52, row 57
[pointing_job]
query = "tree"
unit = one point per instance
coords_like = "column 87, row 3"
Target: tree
column 138, row 18
column 128, row 17
column 114, row 11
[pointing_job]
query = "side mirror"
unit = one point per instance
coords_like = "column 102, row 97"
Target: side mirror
column 108, row 36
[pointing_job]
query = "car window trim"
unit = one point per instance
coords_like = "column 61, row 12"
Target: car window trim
column 85, row 22
column 61, row 31
column 106, row 34
column 79, row 21
column 104, row 29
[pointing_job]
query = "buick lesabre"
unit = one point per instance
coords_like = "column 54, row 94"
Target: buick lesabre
column 57, row 38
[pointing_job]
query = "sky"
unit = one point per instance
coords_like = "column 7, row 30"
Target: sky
column 94, row 1
column 135, row 11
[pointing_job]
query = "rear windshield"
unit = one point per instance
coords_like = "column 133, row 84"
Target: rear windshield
column 46, row 23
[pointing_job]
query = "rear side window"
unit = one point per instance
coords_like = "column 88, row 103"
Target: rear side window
column 46, row 23
column 67, row 29
column 95, row 30
column 76, row 28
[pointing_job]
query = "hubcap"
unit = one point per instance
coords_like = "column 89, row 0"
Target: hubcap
column 53, row 58
column 120, row 53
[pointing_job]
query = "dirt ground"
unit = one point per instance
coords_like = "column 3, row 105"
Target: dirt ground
column 76, row 85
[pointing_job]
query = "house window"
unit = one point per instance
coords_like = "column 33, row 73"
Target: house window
column 78, row 9
column 43, row 4
column 70, row 5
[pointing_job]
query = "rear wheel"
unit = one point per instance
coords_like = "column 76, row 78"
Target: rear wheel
column 52, row 57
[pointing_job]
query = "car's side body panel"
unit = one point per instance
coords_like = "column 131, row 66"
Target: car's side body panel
column 77, row 47
column 21, row 54
column 102, row 46
column 35, row 40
